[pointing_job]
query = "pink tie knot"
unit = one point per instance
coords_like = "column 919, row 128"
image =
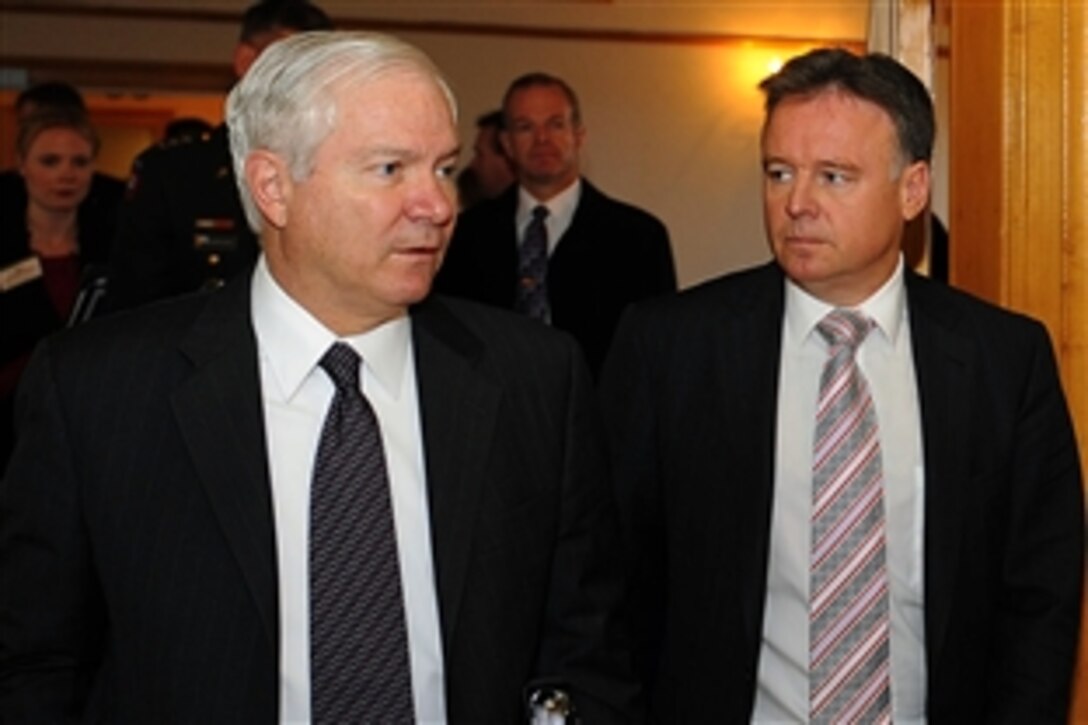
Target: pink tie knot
column 842, row 327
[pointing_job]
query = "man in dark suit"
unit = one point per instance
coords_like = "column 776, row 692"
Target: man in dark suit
column 160, row 543
column 490, row 172
column 181, row 226
column 965, row 603
column 601, row 254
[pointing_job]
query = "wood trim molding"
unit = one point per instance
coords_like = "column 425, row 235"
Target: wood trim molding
column 436, row 27
column 1019, row 164
column 215, row 77
column 117, row 74
column 1074, row 333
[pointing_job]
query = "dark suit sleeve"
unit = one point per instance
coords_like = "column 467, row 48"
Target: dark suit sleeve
column 1042, row 566
column 51, row 617
column 481, row 260
column 626, row 393
column 585, row 640
column 456, row 265
column 660, row 270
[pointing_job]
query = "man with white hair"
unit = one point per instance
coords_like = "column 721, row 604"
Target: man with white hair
column 318, row 494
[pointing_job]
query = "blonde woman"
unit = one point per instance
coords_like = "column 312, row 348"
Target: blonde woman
column 46, row 251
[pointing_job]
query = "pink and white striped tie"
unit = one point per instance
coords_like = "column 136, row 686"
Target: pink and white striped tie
column 848, row 602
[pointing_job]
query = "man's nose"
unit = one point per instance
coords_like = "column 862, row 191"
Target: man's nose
column 433, row 200
column 800, row 199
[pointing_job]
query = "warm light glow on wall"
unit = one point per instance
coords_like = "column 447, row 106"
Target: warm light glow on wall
column 759, row 60
column 748, row 64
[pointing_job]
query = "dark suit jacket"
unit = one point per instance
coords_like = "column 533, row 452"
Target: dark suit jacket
column 612, row 254
column 137, row 543
column 690, row 396
column 181, row 227
column 26, row 311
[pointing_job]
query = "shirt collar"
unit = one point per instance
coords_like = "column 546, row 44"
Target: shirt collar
column 293, row 341
column 560, row 207
column 887, row 307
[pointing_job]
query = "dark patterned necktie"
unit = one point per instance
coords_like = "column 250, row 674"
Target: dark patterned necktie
column 359, row 670
column 849, row 678
column 533, row 268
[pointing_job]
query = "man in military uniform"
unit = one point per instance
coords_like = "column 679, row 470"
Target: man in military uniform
column 181, row 226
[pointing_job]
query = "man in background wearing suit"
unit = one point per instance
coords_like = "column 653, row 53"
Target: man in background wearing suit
column 174, row 522
column 597, row 254
column 490, row 172
column 181, row 227
column 899, row 536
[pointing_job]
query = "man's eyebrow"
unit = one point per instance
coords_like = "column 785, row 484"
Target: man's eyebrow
column 386, row 151
column 843, row 164
column 402, row 152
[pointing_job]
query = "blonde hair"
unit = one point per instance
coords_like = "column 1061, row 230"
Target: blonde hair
column 43, row 119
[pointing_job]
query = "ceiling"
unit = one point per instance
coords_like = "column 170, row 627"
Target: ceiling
column 806, row 19
column 183, row 45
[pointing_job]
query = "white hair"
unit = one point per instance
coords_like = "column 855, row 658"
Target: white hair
column 285, row 102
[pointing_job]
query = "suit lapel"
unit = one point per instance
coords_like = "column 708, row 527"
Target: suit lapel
column 503, row 245
column 753, row 350
column 943, row 362
column 458, row 409
column 218, row 410
column 581, row 226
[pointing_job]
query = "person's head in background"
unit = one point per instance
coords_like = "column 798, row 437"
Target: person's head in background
column 543, row 133
column 186, row 129
column 493, row 170
column 345, row 146
column 266, row 22
column 50, row 94
column 55, row 152
column 846, row 149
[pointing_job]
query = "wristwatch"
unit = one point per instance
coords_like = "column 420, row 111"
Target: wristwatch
column 550, row 706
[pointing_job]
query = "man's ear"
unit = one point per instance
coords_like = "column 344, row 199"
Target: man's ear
column 244, row 55
column 504, row 139
column 269, row 184
column 579, row 135
column 914, row 189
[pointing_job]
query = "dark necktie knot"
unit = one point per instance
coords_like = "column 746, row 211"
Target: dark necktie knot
column 846, row 328
column 341, row 362
column 540, row 213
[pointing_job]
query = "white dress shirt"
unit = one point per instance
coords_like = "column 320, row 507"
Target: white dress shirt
column 886, row 361
column 561, row 208
column 296, row 394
